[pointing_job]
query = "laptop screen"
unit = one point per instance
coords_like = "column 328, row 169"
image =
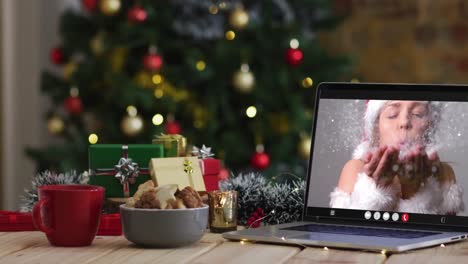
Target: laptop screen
column 390, row 153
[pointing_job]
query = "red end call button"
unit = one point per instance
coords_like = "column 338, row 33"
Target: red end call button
column 404, row 217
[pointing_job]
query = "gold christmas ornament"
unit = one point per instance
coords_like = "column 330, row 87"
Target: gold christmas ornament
column 110, row 7
column 55, row 125
column 304, row 147
column 239, row 18
column 307, row 82
column 68, row 70
column 244, row 80
column 157, row 78
column 158, row 93
column 230, row 35
column 131, row 125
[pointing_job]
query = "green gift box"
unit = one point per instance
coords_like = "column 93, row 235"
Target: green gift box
column 103, row 159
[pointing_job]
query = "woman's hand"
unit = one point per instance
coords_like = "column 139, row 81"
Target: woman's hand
column 417, row 166
column 383, row 165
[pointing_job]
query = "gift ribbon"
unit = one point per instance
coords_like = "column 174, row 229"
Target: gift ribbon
column 202, row 166
column 125, row 171
column 189, row 170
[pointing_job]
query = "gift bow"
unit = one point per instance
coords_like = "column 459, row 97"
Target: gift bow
column 125, row 171
column 202, row 153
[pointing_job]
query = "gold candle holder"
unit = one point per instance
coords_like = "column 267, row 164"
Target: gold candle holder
column 223, row 211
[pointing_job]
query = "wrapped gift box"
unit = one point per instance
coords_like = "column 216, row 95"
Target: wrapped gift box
column 110, row 225
column 183, row 171
column 210, row 169
column 174, row 145
column 104, row 157
column 16, row 221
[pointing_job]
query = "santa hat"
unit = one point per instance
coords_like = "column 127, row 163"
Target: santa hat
column 373, row 109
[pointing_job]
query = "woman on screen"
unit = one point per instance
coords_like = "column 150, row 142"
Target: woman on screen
column 396, row 167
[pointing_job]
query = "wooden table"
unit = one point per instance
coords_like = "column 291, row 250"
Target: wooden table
column 33, row 247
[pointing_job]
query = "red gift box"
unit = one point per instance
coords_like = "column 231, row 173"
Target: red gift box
column 16, row 221
column 110, row 225
column 210, row 169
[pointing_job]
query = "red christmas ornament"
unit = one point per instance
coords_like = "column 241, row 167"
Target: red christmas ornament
column 152, row 62
column 90, row 5
column 56, row 56
column 73, row 105
column 260, row 160
column 172, row 128
column 294, row 56
column 137, row 14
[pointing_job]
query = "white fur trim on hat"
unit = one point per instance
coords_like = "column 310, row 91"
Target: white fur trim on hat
column 370, row 117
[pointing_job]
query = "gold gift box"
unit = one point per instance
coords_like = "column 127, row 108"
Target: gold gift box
column 184, row 171
column 174, row 145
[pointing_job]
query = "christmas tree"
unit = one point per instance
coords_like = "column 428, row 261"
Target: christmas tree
column 238, row 76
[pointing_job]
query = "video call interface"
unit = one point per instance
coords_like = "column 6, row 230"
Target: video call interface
column 390, row 156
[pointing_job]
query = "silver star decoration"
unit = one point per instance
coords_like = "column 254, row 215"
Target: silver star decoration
column 202, row 153
column 126, row 170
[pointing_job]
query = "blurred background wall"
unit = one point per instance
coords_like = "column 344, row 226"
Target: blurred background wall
column 28, row 30
column 424, row 41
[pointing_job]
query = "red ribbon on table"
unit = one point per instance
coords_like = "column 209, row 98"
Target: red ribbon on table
column 12, row 216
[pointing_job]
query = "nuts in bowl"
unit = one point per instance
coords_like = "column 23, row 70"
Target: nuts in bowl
column 164, row 216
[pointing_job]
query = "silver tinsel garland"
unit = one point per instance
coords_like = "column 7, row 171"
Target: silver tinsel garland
column 30, row 197
column 281, row 202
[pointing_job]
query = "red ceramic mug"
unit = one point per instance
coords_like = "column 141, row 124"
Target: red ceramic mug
column 69, row 214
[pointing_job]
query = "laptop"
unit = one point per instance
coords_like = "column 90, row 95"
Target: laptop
column 406, row 194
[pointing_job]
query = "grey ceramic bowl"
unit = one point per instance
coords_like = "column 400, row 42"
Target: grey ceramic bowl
column 163, row 227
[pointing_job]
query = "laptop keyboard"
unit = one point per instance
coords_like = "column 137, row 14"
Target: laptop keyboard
column 362, row 231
